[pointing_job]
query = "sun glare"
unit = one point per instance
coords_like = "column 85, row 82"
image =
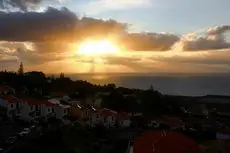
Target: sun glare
column 97, row 48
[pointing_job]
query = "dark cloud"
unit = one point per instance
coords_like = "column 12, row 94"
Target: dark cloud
column 23, row 5
column 218, row 30
column 213, row 39
column 63, row 25
column 53, row 25
column 150, row 41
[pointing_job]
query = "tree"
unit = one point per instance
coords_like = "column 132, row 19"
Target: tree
column 21, row 69
column 62, row 75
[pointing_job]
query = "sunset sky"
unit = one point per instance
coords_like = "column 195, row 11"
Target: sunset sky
column 90, row 36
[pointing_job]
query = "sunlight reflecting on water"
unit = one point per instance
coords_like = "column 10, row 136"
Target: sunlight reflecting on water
column 100, row 77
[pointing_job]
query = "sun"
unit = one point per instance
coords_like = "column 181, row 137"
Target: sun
column 97, row 48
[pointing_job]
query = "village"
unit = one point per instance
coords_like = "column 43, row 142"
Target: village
column 203, row 119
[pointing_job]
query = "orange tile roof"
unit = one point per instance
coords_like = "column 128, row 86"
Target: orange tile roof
column 11, row 99
column 107, row 112
column 164, row 142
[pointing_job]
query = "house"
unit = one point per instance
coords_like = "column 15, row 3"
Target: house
column 97, row 102
column 173, row 122
column 60, row 96
column 223, row 137
column 123, row 120
column 6, row 90
column 62, row 111
column 48, row 109
column 154, row 122
column 135, row 114
column 88, row 110
column 77, row 111
column 31, row 109
column 104, row 117
column 12, row 105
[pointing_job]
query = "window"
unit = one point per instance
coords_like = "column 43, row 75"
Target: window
column 17, row 105
column 105, row 119
column 64, row 111
column 12, row 105
column 31, row 107
column 112, row 118
column 36, row 107
column 48, row 109
column 52, row 110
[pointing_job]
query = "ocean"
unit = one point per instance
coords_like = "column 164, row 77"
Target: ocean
column 173, row 84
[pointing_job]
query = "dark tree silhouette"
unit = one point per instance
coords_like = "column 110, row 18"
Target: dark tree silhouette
column 21, row 69
column 62, row 76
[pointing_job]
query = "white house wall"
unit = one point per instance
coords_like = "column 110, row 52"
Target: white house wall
column 95, row 119
column 25, row 110
column 125, row 123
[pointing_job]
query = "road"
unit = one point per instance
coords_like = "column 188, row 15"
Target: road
column 34, row 133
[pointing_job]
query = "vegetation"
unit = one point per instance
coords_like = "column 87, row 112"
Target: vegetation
column 37, row 84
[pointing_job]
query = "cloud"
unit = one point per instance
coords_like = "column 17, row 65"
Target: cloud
column 99, row 6
column 53, row 25
column 150, row 41
column 23, row 5
column 218, row 30
column 217, row 57
column 213, row 39
column 32, row 53
column 50, row 37
column 62, row 25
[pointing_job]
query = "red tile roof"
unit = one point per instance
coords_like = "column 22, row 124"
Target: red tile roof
column 164, row 142
column 32, row 101
column 4, row 88
column 107, row 112
column 11, row 99
column 122, row 116
column 47, row 103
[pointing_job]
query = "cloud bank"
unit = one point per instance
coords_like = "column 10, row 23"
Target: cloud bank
column 50, row 37
column 213, row 39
